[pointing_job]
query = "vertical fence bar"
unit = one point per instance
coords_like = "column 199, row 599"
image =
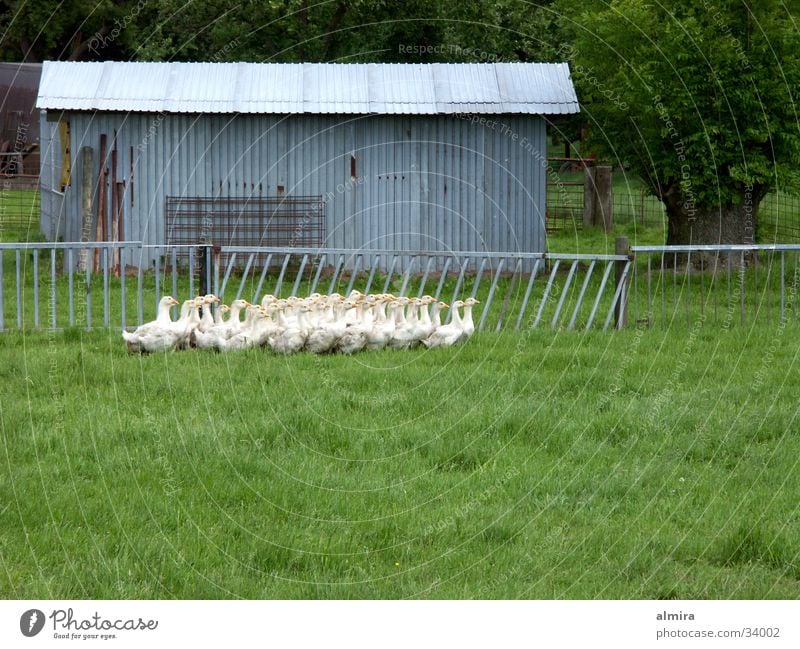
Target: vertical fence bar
column 19, row 288
column 741, row 286
column 212, row 270
column 509, row 292
column 783, row 287
column 158, row 278
column 443, row 277
column 794, row 289
column 579, row 302
column 139, row 291
column 714, row 287
column 702, row 289
column 52, row 288
column 688, row 288
column 458, row 286
column 663, row 282
column 492, row 289
column 425, row 276
column 122, row 289
column 636, row 294
column 618, row 295
column 674, row 287
column 527, row 295
column 570, row 275
column 478, row 277
column 106, row 288
column 407, row 275
column 299, row 278
column 389, row 274
column 335, row 276
column 257, row 293
column 649, row 291
column 174, row 255
column 71, row 288
column 756, row 301
column 546, row 293
column 373, row 266
column 356, row 267
column 768, row 286
column 245, row 274
column 35, row 288
column 285, row 264
column 88, row 295
column 317, row 274
column 228, row 271
column 191, row 271
column 730, row 287
column 603, row 282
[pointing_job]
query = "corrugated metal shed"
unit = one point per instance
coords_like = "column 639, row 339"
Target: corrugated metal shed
column 311, row 88
column 396, row 152
column 422, row 182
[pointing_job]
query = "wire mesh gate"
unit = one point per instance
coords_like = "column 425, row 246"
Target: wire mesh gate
column 287, row 221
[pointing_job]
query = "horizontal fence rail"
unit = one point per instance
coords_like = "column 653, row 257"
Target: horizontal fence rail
column 91, row 284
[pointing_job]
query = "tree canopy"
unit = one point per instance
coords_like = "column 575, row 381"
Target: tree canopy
column 695, row 97
column 280, row 30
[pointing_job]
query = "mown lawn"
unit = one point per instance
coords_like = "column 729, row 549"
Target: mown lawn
column 637, row 464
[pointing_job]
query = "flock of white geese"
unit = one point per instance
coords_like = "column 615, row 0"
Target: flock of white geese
column 318, row 323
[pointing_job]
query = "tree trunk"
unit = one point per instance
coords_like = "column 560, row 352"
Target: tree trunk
column 734, row 223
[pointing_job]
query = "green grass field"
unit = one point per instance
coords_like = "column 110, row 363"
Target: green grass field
column 655, row 463
column 641, row 464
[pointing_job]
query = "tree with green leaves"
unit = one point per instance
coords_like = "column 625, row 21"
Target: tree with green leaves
column 697, row 98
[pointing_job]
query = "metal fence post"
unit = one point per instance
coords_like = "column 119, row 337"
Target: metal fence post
column 621, row 309
column 204, row 283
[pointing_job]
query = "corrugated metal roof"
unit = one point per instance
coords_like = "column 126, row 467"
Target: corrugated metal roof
column 318, row 88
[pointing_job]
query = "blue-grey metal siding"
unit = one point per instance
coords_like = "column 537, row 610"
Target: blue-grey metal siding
column 433, row 182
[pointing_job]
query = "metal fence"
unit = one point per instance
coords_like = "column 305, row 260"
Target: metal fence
column 719, row 284
column 566, row 194
column 52, row 285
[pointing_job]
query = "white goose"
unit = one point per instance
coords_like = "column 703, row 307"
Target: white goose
column 329, row 328
column 356, row 334
column 157, row 335
column 207, row 321
column 449, row 334
column 248, row 335
column 406, row 332
column 211, row 339
column 467, row 326
column 384, row 325
column 293, row 335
